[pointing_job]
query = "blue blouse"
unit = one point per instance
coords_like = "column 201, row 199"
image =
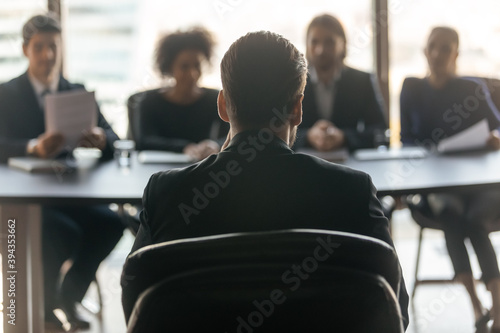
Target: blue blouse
column 428, row 115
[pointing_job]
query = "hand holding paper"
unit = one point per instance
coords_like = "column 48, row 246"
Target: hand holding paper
column 48, row 145
column 95, row 138
column 474, row 137
column 494, row 140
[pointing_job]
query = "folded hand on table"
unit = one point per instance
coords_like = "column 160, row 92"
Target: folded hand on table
column 325, row 136
column 202, row 149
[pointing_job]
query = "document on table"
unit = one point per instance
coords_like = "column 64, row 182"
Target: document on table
column 474, row 137
column 70, row 113
column 34, row 164
column 390, row 153
column 154, row 156
column 338, row 155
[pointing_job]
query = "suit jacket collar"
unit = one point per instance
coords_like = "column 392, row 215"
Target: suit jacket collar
column 313, row 75
column 259, row 140
column 63, row 84
column 28, row 92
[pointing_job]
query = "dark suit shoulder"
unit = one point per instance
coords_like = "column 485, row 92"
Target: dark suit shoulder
column 14, row 92
column 150, row 93
column 164, row 179
column 468, row 83
column 66, row 85
column 316, row 166
column 355, row 74
column 164, row 182
column 413, row 82
column 13, row 84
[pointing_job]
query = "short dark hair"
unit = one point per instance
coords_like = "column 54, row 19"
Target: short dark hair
column 40, row 23
column 262, row 71
column 331, row 23
column 452, row 33
column 171, row 45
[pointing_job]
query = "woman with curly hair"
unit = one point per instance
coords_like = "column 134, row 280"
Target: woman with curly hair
column 182, row 117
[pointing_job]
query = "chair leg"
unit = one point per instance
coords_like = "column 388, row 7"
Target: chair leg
column 94, row 306
column 417, row 264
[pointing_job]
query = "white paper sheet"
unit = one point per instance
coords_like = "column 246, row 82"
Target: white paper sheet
column 154, row 156
column 474, row 137
column 332, row 156
column 390, row 154
column 70, row 113
column 38, row 165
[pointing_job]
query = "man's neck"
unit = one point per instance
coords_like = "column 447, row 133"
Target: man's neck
column 284, row 134
column 327, row 75
column 439, row 81
column 44, row 79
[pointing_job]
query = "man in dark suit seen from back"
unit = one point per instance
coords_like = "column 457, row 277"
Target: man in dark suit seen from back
column 257, row 183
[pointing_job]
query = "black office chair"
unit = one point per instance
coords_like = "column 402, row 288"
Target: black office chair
column 253, row 297
column 134, row 116
column 217, row 283
column 424, row 217
column 134, row 133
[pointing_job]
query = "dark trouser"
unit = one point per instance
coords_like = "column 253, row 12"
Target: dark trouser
column 464, row 216
column 84, row 234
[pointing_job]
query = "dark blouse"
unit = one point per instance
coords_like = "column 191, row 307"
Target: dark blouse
column 169, row 126
column 433, row 114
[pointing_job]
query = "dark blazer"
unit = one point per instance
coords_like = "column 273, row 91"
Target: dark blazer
column 22, row 119
column 258, row 183
column 358, row 109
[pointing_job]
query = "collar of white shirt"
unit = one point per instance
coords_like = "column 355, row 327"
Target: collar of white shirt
column 313, row 75
column 39, row 87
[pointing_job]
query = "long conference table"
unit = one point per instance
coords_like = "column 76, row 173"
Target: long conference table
column 22, row 194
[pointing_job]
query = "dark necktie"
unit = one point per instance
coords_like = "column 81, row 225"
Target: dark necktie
column 42, row 98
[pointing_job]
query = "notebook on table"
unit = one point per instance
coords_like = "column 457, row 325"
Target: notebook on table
column 39, row 165
column 155, row 156
column 338, row 155
column 390, row 153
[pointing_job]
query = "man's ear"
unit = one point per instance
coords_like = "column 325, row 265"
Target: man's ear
column 221, row 107
column 25, row 50
column 296, row 115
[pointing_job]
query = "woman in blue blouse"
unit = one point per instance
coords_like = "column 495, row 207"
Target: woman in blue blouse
column 442, row 105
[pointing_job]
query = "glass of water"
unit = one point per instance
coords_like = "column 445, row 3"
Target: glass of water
column 123, row 152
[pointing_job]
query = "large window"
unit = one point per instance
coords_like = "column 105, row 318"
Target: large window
column 110, row 44
column 13, row 14
column 476, row 22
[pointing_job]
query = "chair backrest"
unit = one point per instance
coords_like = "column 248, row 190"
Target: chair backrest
column 421, row 212
column 423, row 215
column 494, row 88
column 249, row 298
column 290, row 258
column 134, row 116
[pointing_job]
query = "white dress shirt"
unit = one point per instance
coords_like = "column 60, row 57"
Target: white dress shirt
column 324, row 93
column 40, row 92
column 41, row 89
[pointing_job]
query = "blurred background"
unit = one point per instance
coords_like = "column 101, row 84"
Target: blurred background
column 109, row 44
